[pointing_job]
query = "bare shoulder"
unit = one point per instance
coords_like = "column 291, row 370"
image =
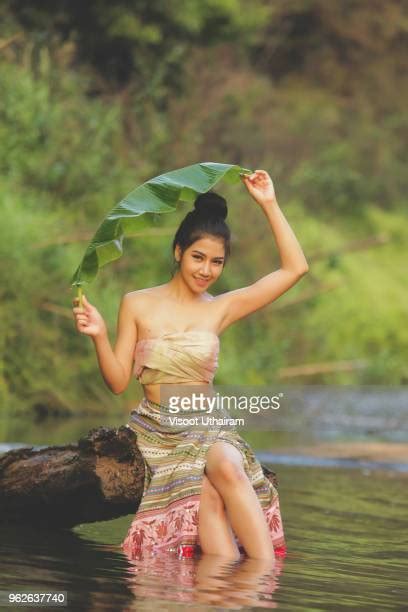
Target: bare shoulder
column 141, row 296
column 143, row 302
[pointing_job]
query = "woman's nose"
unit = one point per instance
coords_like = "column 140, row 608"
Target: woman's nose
column 205, row 268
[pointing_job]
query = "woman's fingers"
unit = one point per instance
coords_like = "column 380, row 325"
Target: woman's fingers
column 257, row 177
column 83, row 315
column 87, row 305
column 261, row 174
column 80, row 315
column 76, row 300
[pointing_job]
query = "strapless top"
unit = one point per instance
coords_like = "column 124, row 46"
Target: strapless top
column 177, row 357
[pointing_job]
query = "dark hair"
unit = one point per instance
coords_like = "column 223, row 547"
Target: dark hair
column 208, row 217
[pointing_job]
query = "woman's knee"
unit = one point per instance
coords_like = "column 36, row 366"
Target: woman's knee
column 226, row 471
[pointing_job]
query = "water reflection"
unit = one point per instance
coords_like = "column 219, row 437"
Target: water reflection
column 345, row 534
column 345, row 531
column 96, row 575
column 60, row 560
column 211, row 580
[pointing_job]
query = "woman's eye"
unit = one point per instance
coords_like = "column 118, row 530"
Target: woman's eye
column 199, row 257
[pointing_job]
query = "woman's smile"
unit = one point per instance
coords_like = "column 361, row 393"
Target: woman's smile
column 202, row 281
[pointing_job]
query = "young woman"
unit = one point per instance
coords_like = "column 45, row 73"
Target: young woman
column 204, row 489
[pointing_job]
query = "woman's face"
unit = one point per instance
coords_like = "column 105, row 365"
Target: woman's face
column 202, row 263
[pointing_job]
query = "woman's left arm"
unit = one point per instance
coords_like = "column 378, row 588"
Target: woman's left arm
column 242, row 302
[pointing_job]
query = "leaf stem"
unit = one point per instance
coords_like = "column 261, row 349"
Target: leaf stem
column 80, row 296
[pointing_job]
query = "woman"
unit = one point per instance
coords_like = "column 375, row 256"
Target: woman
column 204, row 489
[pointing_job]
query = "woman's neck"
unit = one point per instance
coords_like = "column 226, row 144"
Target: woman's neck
column 180, row 292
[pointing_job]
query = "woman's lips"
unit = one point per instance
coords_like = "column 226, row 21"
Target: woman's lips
column 201, row 282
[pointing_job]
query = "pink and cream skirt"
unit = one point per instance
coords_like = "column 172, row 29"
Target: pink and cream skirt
column 167, row 518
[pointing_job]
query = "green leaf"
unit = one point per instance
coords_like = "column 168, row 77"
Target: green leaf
column 158, row 195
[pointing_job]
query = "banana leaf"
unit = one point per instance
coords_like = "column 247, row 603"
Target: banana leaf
column 157, row 195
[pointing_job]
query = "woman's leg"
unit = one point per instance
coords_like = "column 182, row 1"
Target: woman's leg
column 214, row 530
column 225, row 469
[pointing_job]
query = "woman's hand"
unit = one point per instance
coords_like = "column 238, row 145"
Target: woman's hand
column 88, row 320
column 260, row 187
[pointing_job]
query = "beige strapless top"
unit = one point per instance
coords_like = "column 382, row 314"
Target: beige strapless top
column 177, row 357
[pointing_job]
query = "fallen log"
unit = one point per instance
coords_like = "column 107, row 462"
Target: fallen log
column 98, row 479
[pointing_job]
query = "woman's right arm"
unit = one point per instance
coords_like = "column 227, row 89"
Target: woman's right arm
column 115, row 364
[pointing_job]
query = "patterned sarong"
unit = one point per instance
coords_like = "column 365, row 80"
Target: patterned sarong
column 167, row 518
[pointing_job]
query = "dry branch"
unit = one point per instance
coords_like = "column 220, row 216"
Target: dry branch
column 8, row 41
column 309, row 369
column 87, row 236
column 56, row 309
column 306, row 295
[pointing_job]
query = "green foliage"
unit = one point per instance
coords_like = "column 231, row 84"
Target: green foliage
column 157, row 195
column 98, row 97
column 53, row 140
column 351, row 47
column 138, row 40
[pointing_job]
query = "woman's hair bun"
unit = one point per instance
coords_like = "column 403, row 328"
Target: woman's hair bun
column 211, row 204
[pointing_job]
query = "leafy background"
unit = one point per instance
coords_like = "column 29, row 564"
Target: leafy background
column 98, row 97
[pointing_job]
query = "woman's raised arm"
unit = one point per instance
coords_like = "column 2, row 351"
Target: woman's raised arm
column 242, row 302
column 116, row 364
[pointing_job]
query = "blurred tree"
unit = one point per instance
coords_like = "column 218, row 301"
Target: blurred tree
column 334, row 43
column 140, row 40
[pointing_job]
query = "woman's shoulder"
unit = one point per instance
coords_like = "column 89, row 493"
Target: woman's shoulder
column 147, row 291
column 158, row 291
column 153, row 298
column 143, row 296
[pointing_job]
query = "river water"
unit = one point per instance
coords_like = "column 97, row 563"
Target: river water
column 345, row 519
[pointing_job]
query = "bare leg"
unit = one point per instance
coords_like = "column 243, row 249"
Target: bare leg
column 214, row 530
column 226, row 472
